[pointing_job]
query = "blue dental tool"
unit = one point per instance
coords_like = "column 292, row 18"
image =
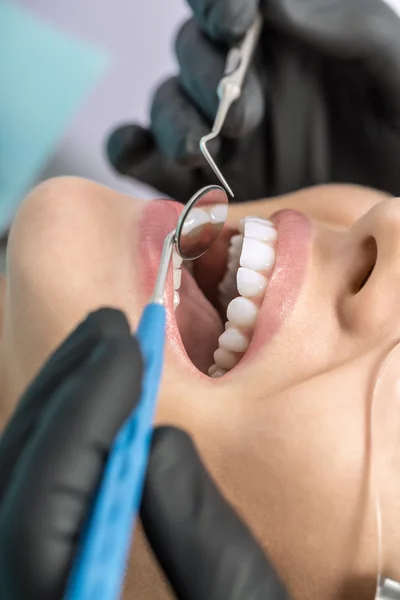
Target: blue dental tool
column 100, row 565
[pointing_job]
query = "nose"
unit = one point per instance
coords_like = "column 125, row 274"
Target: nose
column 372, row 300
column 382, row 226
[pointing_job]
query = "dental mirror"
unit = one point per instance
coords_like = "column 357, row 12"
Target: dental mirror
column 199, row 225
column 201, row 222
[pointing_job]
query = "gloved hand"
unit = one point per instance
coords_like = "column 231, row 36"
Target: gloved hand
column 53, row 451
column 321, row 103
column 51, row 458
column 204, row 548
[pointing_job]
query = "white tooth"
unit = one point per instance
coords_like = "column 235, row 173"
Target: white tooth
column 219, row 212
column 212, row 370
column 250, row 283
column 223, row 286
column 176, row 260
column 242, row 312
column 244, row 220
column 225, row 359
column 177, row 273
column 259, row 220
column 228, row 325
column 177, row 300
column 196, row 218
column 260, row 230
column 225, row 299
column 231, row 269
column 233, row 340
column 236, row 241
column 233, row 265
column 218, row 373
column 234, row 252
column 256, row 255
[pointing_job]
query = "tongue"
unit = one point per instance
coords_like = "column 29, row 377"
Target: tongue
column 199, row 323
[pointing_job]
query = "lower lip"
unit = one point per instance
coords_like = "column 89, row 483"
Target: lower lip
column 157, row 220
column 292, row 259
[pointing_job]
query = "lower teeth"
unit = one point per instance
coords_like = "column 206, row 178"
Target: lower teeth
column 251, row 258
column 177, row 276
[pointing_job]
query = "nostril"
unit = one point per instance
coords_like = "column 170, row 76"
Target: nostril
column 369, row 258
column 368, row 275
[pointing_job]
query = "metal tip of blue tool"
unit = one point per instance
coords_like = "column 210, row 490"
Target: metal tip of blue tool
column 211, row 162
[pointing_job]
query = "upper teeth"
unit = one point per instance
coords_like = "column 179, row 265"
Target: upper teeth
column 251, row 258
column 256, row 255
column 250, row 283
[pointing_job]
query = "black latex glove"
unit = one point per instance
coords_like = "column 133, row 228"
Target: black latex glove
column 202, row 545
column 321, row 102
column 51, row 459
column 53, row 451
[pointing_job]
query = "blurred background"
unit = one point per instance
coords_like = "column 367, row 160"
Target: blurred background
column 71, row 72
column 74, row 71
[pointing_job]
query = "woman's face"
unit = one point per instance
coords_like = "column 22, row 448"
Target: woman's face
column 285, row 432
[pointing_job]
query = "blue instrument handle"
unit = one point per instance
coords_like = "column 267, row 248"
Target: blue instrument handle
column 100, row 565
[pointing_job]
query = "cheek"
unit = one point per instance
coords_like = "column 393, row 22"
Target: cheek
column 294, row 466
column 65, row 259
column 336, row 206
column 298, row 473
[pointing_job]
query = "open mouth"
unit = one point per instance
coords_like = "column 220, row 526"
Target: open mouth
column 217, row 298
column 226, row 305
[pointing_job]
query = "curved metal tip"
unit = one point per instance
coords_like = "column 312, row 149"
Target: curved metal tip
column 211, row 162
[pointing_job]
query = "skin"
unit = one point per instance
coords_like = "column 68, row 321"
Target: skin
column 289, row 446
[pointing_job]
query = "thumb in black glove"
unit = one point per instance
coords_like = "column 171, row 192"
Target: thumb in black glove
column 54, row 449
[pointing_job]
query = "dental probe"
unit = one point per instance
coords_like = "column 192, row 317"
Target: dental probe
column 230, row 89
column 98, row 572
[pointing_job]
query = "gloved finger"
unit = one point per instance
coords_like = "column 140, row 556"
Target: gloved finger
column 133, row 152
column 176, row 129
column 201, row 543
column 347, row 29
column 201, row 69
column 101, row 325
column 52, row 488
column 225, row 20
column 177, row 125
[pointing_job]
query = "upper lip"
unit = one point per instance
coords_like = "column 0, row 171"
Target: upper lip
column 292, row 257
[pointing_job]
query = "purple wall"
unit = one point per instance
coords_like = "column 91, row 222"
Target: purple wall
column 138, row 34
